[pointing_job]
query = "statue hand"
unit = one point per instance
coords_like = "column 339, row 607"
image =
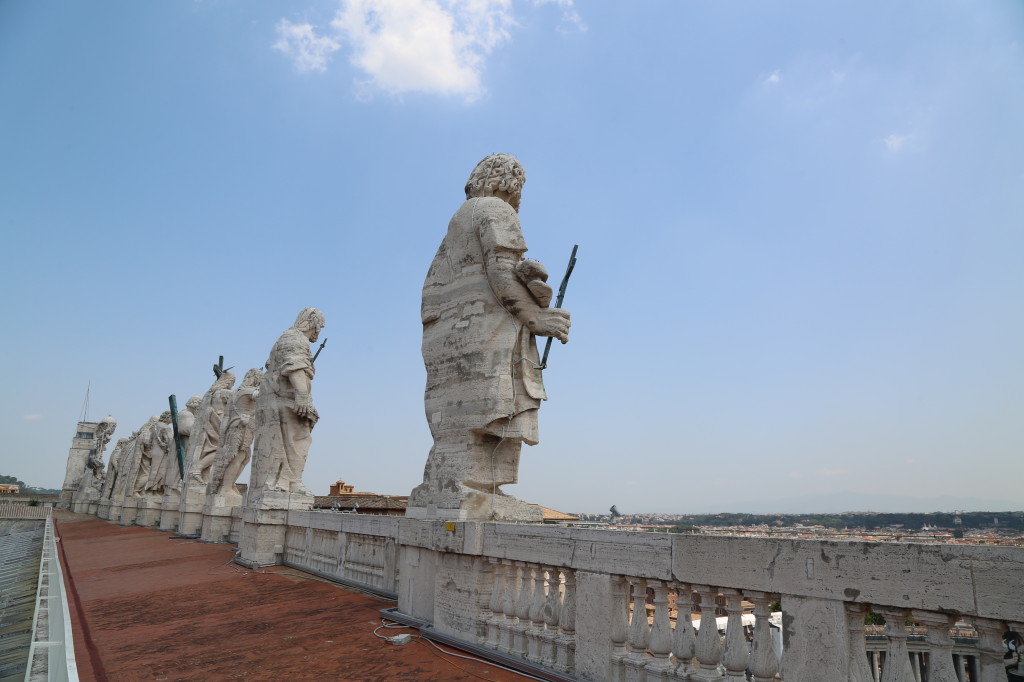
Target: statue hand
column 303, row 404
column 549, row 322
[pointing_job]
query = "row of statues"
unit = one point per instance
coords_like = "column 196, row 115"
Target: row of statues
column 483, row 306
column 272, row 407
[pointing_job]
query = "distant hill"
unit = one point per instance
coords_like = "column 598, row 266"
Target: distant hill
column 26, row 488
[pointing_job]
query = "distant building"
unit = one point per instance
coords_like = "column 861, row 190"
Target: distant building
column 11, row 488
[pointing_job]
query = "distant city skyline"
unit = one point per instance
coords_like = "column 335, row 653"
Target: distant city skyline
column 799, row 283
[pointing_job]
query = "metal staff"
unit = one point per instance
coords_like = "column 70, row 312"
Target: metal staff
column 317, row 354
column 558, row 301
column 178, row 445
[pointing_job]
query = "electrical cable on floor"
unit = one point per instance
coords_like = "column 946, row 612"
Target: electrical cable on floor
column 476, row 659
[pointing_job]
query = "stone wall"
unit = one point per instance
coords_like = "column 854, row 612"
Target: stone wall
column 596, row 604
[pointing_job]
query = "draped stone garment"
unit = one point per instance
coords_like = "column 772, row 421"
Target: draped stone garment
column 282, row 437
column 482, row 363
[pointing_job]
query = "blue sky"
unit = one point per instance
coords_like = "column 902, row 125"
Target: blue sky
column 800, row 225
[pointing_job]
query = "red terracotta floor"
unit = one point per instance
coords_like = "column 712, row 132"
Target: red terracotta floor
column 148, row 607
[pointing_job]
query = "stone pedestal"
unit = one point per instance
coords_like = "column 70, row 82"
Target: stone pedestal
column 265, row 525
column 129, row 510
column 148, row 511
column 477, row 506
column 217, row 516
column 103, row 509
column 191, row 509
column 169, row 511
column 86, row 500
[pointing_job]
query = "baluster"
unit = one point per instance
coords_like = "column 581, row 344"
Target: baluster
column 552, row 606
column 567, row 625
column 1018, row 647
column 990, row 649
column 958, row 663
column 536, row 631
column 863, row 667
column 684, row 639
column 897, row 659
column 736, row 655
column 509, row 605
column 497, row 595
column 639, row 632
column 522, row 622
column 485, row 573
column 915, row 665
column 763, row 663
column 660, row 667
column 620, row 627
column 709, row 646
column 941, row 667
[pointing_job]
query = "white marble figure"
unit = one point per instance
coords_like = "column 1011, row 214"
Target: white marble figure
column 143, row 456
column 205, row 431
column 110, row 481
column 103, row 434
column 285, row 415
column 236, row 436
column 483, row 307
column 161, row 447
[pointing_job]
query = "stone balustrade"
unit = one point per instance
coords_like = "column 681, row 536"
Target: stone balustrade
column 597, row 604
column 631, row 607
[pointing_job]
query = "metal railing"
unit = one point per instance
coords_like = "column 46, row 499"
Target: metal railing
column 52, row 652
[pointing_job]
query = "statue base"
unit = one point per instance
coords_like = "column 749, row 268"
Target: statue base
column 265, row 523
column 129, row 510
column 190, row 510
column 471, row 505
column 169, row 511
column 217, row 516
column 103, row 509
column 148, row 513
column 86, row 500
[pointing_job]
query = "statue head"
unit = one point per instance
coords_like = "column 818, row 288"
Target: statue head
column 310, row 321
column 497, row 175
column 252, row 378
column 165, row 417
column 225, row 380
column 193, row 403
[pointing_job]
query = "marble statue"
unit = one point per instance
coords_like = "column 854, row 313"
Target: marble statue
column 235, row 447
column 113, row 469
column 143, row 456
column 104, row 432
column 483, row 307
column 187, row 420
column 161, row 447
column 285, row 415
column 204, row 433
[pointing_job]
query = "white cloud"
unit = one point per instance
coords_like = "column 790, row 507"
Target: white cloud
column 400, row 46
column 832, row 472
column 571, row 19
column 795, row 474
column 434, row 46
column 32, row 416
column 774, row 78
column 895, row 143
column 309, row 51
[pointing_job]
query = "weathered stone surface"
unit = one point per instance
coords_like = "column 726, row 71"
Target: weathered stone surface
column 416, row 582
column 482, row 310
column 593, row 625
column 285, row 415
column 946, row 577
column 816, row 641
column 235, row 441
column 456, row 604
